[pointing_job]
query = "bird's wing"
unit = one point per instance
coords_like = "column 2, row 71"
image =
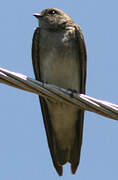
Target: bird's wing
column 83, row 57
column 46, row 117
column 75, row 155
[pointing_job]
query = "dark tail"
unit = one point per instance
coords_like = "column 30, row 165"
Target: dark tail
column 76, row 149
column 75, row 157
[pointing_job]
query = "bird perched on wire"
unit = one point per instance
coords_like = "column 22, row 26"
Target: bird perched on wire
column 59, row 58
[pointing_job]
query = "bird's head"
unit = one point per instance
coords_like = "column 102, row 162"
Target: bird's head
column 53, row 18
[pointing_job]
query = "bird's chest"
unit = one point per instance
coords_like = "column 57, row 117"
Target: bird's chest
column 59, row 63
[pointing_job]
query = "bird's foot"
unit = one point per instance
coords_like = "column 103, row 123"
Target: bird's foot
column 71, row 92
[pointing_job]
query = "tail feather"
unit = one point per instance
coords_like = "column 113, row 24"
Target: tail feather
column 73, row 168
column 61, row 155
column 59, row 169
column 72, row 155
column 69, row 155
column 75, row 157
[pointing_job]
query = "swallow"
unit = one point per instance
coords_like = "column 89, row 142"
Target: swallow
column 59, row 58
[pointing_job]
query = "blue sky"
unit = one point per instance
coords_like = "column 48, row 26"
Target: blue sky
column 24, row 152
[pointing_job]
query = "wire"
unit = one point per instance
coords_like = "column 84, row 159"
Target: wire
column 81, row 101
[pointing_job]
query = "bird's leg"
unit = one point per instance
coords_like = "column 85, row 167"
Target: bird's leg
column 71, row 92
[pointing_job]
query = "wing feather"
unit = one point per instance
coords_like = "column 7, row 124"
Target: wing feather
column 44, row 107
column 76, row 150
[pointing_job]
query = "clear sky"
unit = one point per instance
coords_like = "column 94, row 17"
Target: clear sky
column 24, row 153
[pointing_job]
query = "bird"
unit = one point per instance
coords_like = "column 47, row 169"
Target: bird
column 59, row 57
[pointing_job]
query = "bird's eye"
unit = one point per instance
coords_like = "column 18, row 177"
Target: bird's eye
column 52, row 12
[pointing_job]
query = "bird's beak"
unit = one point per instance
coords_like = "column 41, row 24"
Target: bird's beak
column 37, row 15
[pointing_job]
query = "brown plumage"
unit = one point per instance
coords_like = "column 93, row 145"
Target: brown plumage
column 59, row 58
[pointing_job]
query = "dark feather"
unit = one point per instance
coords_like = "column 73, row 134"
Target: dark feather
column 76, row 150
column 59, row 156
column 46, row 117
